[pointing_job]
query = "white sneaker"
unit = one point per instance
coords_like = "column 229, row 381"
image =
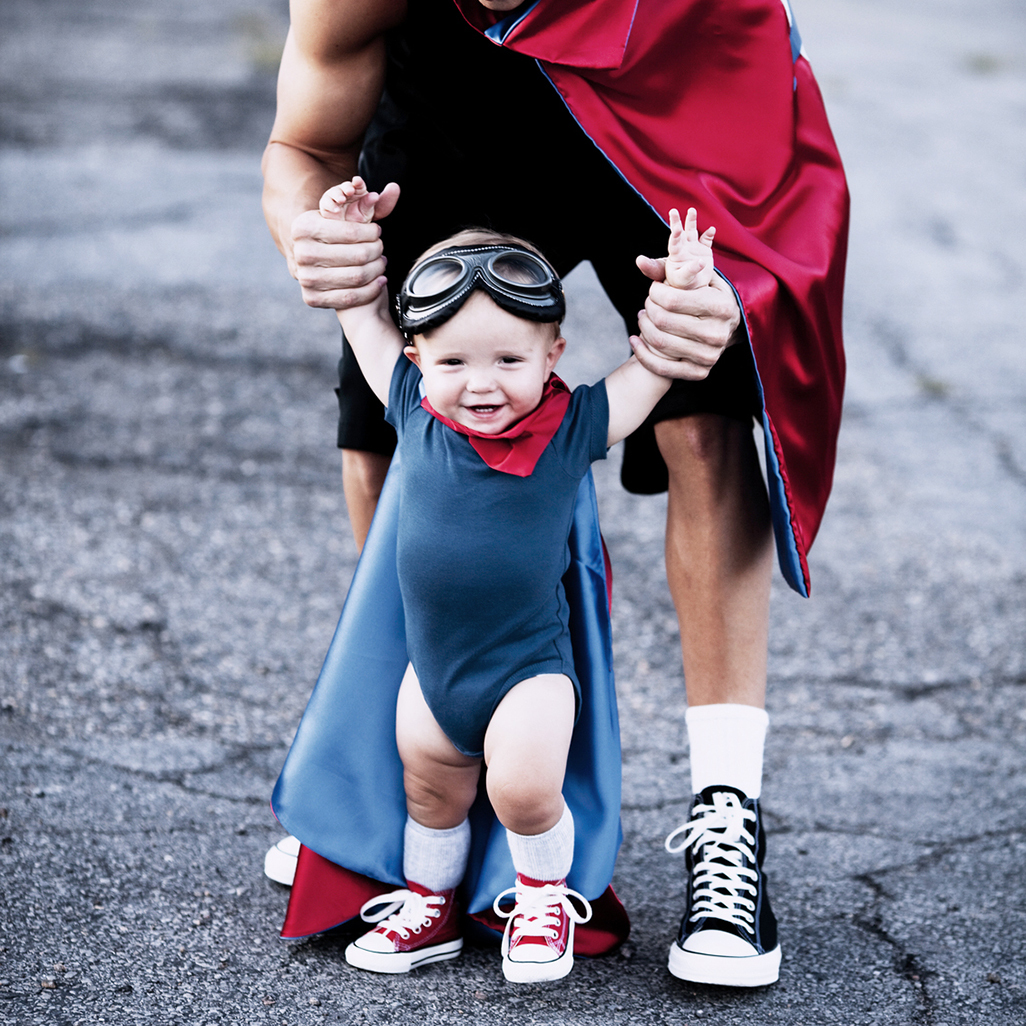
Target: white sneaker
column 280, row 861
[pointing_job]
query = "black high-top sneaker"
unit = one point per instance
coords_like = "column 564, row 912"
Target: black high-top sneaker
column 728, row 935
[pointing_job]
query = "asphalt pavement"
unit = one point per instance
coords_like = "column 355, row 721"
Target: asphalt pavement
column 174, row 552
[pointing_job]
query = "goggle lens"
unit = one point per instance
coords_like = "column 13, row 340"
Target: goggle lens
column 436, row 277
column 520, row 269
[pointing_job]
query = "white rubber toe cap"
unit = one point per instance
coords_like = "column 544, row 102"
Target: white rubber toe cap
column 717, row 942
column 376, row 942
column 280, row 861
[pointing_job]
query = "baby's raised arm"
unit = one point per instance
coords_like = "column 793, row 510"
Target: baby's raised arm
column 633, row 390
column 365, row 318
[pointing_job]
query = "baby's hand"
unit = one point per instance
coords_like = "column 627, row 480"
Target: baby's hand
column 350, row 201
column 691, row 314
column 347, row 262
column 689, row 263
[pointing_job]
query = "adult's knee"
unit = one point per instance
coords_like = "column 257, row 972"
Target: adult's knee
column 701, row 440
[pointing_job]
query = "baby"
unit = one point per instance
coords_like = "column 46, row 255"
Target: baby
column 492, row 448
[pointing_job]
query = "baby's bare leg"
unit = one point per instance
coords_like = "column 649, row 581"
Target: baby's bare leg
column 440, row 782
column 526, row 747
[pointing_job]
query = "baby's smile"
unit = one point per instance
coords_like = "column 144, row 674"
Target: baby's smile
column 482, row 351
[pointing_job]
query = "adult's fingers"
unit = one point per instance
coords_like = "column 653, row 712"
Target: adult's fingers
column 710, row 301
column 343, row 299
column 696, row 356
column 311, row 253
column 334, row 287
column 708, row 314
column 332, row 231
column 678, row 327
column 664, row 366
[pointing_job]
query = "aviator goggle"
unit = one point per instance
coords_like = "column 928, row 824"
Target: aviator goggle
column 517, row 279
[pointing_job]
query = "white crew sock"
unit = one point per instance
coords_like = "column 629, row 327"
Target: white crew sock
column 545, row 856
column 726, row 746
column 435, row 859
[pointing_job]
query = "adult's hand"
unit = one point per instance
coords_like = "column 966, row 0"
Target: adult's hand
column 331, row 258
column 685, row 331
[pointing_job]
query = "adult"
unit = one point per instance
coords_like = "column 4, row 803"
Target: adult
column 563, row 115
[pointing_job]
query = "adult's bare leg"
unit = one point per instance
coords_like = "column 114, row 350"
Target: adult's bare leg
column 719, row 560
column 719, row 556
column 363, row 475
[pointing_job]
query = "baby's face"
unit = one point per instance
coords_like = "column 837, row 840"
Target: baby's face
column 485, row 368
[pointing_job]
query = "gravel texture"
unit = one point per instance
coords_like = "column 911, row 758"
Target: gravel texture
column 174, row 552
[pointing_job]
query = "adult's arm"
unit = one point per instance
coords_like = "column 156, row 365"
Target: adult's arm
column 331, row 76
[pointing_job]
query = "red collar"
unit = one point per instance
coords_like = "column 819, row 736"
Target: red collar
column 571, row 33
column 518, row 449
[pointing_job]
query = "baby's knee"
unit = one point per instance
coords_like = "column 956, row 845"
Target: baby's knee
column 440, row 799
column 525, row 804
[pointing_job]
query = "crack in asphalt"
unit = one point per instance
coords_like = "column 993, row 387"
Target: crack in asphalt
column 895, row 342
column 906, row 964
column 1006, row 457
column 275, row 469
column 935, row 849
column 166, row 651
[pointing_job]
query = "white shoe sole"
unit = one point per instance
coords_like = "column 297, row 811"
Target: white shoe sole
column 725, row 970
column 281, row 860
column 537, row 972
column 401, row 961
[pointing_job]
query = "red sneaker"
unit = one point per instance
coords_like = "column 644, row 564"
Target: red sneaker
column 420, row 927
column 538, row 944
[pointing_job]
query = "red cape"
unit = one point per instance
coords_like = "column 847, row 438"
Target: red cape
column 709, row 104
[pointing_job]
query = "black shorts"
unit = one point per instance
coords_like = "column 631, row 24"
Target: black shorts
column 542, row 179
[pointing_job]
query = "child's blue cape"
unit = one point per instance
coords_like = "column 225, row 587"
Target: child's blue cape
column 341, row 788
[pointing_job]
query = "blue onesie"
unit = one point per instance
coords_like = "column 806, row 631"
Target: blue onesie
column 481, row 555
